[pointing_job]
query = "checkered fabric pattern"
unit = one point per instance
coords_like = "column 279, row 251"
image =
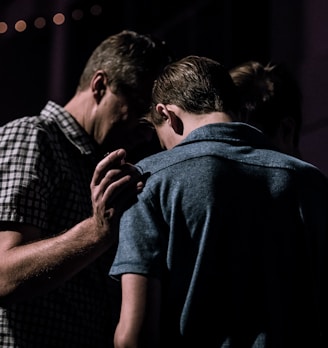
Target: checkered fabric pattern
column 46, row 166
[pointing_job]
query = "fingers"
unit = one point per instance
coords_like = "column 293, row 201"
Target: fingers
column 117, row 180
column 121, row 189
column 112, row 160
column 113, row 184
column 120, row 194
column 111, row 181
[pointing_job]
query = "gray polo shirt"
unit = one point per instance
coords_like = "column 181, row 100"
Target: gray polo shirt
column 230, row 227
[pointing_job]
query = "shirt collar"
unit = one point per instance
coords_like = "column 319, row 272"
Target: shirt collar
column 70, row 128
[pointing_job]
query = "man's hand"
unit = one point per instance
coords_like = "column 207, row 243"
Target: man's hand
column 113, row 185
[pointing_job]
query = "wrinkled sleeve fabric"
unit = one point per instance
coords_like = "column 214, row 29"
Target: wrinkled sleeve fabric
column 141, row 242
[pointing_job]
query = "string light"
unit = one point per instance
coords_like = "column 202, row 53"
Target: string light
column 57, row 19
column 96, row 10
column 77, row 14
column 3, row 27
column 40, row 22
column 20, row 26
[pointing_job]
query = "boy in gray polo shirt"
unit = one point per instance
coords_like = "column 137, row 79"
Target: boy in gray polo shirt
column 226, row 244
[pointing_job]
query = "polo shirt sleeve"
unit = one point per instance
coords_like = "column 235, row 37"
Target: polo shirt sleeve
column 141, row 247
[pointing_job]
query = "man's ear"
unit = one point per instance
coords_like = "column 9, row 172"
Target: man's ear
column 171, row 118
column 98, row 85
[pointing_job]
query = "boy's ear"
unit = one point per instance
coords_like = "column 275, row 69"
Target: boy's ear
column 162, row 110
column 171, row 118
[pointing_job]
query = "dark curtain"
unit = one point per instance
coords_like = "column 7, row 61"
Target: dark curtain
column 39, row 64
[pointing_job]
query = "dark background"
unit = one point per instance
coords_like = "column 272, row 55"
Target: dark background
column 41, row 64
